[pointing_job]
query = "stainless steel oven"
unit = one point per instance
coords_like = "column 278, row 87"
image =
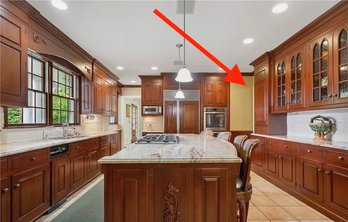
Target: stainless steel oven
column 215, row 118
column 152, row 110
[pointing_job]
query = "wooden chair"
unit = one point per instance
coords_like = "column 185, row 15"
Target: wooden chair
column 207, row 133
column 243, row 185
column 239, row 141
column 224, row 135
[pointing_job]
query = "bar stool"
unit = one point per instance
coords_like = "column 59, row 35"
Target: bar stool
column 243, row 185
column 224, row 135
column 239, row 141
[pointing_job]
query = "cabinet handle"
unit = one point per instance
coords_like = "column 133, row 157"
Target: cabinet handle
column 286, row 146
column 270, row 143
column 77, row 147
column 275, row 156
column 319, row 170
column 340, row 157
column 4, row 190
column 330, row 96
column 17, row 185
column 335, row 95
column 33, row 158
column 309, row 151
column 279, row 157
column 327, row 172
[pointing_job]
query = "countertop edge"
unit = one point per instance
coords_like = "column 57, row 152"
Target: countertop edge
column 153, row 161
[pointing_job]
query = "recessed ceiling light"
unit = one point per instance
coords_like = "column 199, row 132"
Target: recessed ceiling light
column 248, row 41
column 59, row 4
column 279, row 8
column 154, row 68
column 120, row 68
column 133, row 81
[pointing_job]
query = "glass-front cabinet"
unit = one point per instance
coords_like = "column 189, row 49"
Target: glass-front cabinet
column 281, row 86
column 340, row 88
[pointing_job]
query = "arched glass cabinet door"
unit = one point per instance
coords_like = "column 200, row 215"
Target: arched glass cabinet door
column 342, row 65
column 296, row 80
column 320, row 71
column 281, row 90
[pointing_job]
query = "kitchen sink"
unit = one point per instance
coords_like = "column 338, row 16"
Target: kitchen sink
column 67, row 137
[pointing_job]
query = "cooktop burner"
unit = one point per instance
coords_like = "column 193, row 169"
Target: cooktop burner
column 153, row 138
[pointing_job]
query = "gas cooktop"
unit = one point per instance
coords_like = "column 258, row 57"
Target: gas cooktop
column 153, row 138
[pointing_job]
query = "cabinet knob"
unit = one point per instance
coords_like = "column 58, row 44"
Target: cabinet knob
column 270, row 142
column 4, row 190
column 286, row 146
column 279, row 157
column 340, row 157
column 77, row 147
column 327, row 172
column 330, row 96
column 86, row 157
column 335, row 95
column 319, row 170
column 17, row 185
column 275, row 156
column 309, row 151
column 33, row 158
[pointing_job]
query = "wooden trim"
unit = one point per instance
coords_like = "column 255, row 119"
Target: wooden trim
column 131, row 86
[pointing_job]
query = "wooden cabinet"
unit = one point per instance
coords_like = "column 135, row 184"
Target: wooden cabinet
column 170, row 117
column 5, row 199
column 83, row 162
column 215, row 91
column 104, row 146
column 169, row 82
column 189, row 118
column 115, row 143
column 151, row 90
column 14, row 55
column 86, row 96
column 60, row 178
column 258, row 154
column 271, row 158
column 114, row 100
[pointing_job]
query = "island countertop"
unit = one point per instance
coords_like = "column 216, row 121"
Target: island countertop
column 192, row 148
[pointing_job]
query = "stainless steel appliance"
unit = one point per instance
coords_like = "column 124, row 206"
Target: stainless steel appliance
column 215, row 119
column 154, row 138
column 152, row 110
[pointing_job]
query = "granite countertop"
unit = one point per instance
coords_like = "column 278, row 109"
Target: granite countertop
column 7, row 149
column 329, row 144
column 192, row 148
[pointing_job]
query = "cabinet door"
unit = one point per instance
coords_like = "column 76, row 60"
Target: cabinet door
column 114, row 101
column 211, row 196
column 170, row 114
column 208, row 94
column 287, row 169
column 13, row 70
column 220, row 94
column 86, row 96
column 98, row 96
column 320, row 71
column 336, row 182
column 30, row 193
column 107, row 97
column 259, row 154
column 189, row 117
column 296, row 80
column 340, row 71
column 104, row 150
column 60, row 183
column 92, row 162
column 261, row 104
column 271, row 158
column 78, row 170
column 280, row 82
column 5, row 199
column 157, row 92
column 146, row 93
column 311, row 178
column 113, row 144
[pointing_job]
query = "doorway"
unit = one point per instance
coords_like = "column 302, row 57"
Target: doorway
column 131, row 119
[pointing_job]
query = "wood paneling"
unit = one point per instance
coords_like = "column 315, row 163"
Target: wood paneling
column 215, row 91
column 189, row 117
column 60, row 178
column 5, row 201
column 151, row 90
column 170, row 117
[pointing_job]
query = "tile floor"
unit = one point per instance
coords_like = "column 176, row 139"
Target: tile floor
column 268, row 204
column 271, row 204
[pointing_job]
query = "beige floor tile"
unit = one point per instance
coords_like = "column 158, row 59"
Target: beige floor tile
column 284, row 220
column 256, row 192
column 316, row 221
column 258, row 220
column 285, row 200
column 262, row 201
column 302, row 212
column 274, row 191
column 255, row 214
column 275, row 213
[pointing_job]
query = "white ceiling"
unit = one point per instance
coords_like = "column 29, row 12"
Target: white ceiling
column 127, row 33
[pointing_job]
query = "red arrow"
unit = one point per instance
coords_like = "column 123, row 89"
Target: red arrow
column 234, row 75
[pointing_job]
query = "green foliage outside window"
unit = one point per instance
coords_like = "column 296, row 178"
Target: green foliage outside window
column 14, row 115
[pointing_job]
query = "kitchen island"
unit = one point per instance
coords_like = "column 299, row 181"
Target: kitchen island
column 190, row 181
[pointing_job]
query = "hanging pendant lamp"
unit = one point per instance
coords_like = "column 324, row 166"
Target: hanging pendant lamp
column 179, row 94
column 184, row 75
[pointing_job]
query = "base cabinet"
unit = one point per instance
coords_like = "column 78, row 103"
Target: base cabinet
column 60, row 178
column 30, row 193
column 5, row 199
column 287, row 169
column 78, row 171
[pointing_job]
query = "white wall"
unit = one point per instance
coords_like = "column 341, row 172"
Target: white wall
column 297, row 123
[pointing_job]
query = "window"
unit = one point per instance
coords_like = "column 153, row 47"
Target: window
column 112, row 120
column 35, row 114
column 53, row 96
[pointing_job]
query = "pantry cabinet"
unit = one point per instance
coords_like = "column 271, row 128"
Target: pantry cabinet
column 215, row 91
column 151, row 90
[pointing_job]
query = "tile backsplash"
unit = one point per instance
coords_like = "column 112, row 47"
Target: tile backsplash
column 297, row 123
column 153, row 123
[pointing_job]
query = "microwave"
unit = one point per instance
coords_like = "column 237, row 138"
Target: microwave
column 152, row 110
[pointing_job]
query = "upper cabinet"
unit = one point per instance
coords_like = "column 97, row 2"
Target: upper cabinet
column 169, row 82
column 215, row 91
column 151, row 90
column 14, row 55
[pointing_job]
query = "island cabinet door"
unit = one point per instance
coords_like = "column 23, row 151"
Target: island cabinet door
column 211, row 196
column 173, row 191
column 129, row 200
column 287, row 169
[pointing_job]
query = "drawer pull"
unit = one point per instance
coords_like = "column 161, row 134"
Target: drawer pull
column 327, row 172
column 279, row 157
column 17, row 185
column 340, row 157
column 33, row 158
column 309, row 151
column 275, row 156
column 286, row 146
column 319, row 170
column 4, row 190
column 77, row 147
column 270, row 143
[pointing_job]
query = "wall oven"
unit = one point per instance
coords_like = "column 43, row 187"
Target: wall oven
column 152, row 110
column 215, row 119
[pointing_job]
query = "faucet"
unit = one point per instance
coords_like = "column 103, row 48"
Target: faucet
column 64, row 125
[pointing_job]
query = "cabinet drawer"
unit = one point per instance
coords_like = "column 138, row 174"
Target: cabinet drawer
column 272, row 144
column 83, row 146
column 260, row 130
column 289, row 147
column 29, row 159
column 103, row 140
column 311, row 152
column 337, row 157
column 4, row 166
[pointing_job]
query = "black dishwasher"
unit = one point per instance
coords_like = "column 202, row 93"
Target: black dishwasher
column 60, row 175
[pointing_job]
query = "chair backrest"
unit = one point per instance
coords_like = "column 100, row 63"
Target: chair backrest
column 207, row 133
column 245, row 155
column 239, row 141
column 224, row 135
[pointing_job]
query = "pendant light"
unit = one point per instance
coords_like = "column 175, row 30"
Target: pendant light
column 179, row 94
column 184, row 74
